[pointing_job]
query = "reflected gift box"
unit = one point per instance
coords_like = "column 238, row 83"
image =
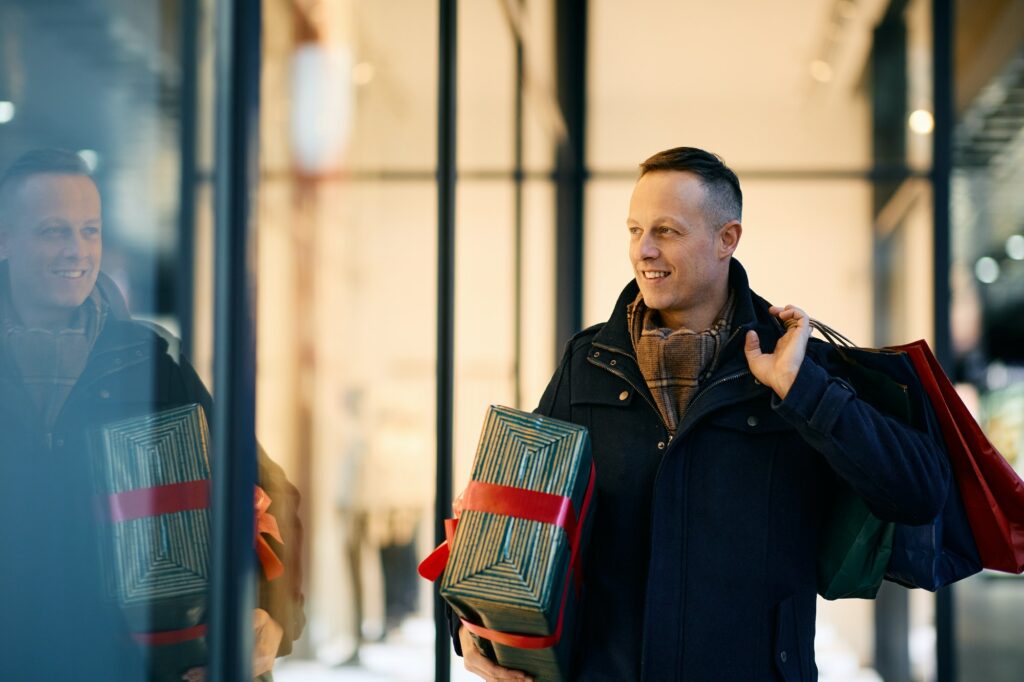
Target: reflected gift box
column 154, row 471
column 512, row 570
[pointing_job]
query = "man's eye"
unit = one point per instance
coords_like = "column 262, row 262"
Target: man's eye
column 91, row 231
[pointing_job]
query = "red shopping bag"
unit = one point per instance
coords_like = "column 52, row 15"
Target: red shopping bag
column 992, row 492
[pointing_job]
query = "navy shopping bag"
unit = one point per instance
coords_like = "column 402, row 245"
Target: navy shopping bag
column 934, row 554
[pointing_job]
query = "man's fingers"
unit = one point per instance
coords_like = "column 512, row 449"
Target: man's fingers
column 790, row 315
column 478, row 664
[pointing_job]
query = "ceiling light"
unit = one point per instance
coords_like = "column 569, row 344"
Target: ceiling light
column 821, row 71
column 91, row 159
column 6, row 112
column 921, row 121
column 362, row 73
column 1015, row 247
column 986, row 270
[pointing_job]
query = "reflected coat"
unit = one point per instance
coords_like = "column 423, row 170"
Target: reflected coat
column 55, row 621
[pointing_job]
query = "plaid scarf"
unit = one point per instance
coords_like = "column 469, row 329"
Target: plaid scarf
column 50, row 362
column 675, row 361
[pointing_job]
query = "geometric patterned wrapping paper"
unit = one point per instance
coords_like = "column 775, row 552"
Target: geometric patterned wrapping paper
column 509, row 574
column 157, row 565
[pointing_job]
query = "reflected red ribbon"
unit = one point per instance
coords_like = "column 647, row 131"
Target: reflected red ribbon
column 273, row 567
column 170, row 636
column 191, row 496
column 519, row 503
column 163, row 499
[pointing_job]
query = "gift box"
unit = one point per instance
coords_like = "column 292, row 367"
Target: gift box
column 514, row 572
column 153, row 474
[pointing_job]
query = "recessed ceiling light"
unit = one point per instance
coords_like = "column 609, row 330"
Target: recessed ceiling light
column 1015, row 247
column 921, row 121
column 821, row 71
column 91, row 159
column 986, row 270
column 362, row 73
column 6, row 112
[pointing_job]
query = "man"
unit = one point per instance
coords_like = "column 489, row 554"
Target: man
column 717, row 439
column 71, row 360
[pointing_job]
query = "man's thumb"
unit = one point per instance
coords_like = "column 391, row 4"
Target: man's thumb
column 752, row 347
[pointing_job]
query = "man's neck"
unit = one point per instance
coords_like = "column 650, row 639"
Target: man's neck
column 698, row 319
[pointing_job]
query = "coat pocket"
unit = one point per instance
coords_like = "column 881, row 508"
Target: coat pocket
column 786, row 650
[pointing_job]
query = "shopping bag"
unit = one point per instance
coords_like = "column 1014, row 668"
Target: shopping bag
column 992, row 492
column 855, row 547
column 928, row 556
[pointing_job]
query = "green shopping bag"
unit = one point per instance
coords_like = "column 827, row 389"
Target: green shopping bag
column 854, row 550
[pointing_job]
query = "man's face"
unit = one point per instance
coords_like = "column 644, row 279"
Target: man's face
column 679, row 260
column 52, row 241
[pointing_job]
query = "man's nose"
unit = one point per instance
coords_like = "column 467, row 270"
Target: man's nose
column 646, row 246
column 74, row 247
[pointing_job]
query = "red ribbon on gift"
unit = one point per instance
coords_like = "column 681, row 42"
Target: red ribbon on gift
column 170, row 636
column 163, row 499
column 266, row 523
column 519, row 503
column 191, row 496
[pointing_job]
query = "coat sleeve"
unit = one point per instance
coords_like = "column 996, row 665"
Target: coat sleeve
column 901, row 473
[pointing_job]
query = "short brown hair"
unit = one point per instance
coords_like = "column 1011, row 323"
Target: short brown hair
column 724, row 199
column 38, row 162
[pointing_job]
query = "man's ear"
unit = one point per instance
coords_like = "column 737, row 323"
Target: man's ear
column 729, row 238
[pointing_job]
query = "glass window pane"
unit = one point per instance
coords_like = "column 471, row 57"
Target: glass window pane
column 987, row 303
column 105, row 422
column 347, row 290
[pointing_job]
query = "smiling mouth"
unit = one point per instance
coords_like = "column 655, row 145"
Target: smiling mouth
column 70, row 274
column 654, row 274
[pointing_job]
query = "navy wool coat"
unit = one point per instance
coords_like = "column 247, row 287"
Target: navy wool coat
column 702, row 559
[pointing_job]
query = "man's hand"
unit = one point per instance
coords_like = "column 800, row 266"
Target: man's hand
column 778, row 370
column 267, row 634
column 479, row 664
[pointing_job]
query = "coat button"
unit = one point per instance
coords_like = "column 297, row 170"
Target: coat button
column 623, row 395
column 661, row 445
column 597, row 353
column 752, row 421
column 757, row 382
column 782, row 656
column 612, row 363
column 104, row 394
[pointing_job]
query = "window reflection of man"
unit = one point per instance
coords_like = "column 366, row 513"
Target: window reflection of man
column 54, row 307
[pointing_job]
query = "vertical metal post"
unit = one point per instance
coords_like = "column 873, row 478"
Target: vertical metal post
column 184, row 295
column 570, row 167
column 517, row 173
column 232, row 593
column 889, row 151
column 446, row 110
column 942, row 164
